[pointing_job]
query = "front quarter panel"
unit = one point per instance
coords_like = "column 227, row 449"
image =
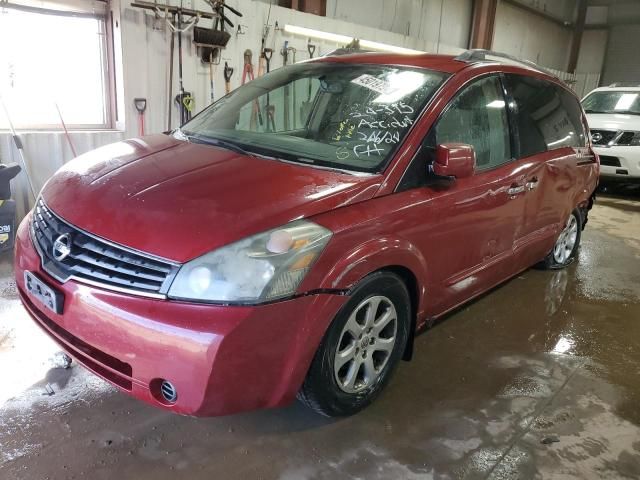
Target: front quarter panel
column 364, row 241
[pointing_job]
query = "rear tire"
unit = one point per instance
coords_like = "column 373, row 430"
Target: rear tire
column 360, row 349
column 566, row 247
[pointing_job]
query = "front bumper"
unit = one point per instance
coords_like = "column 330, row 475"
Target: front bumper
column 221, row 359
column 621, row 162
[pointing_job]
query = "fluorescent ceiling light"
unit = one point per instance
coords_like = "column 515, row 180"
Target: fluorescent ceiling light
column 388, row 48
column 334, row 37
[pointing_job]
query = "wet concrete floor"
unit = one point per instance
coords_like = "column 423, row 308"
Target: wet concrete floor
column 538, row 379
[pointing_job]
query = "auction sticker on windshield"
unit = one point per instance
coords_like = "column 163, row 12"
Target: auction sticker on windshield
column 373, row 83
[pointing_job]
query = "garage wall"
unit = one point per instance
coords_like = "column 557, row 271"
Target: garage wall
column 530, row 36
column 561, row 9
column 439, row 21
column 146, row 51
column 592, row 51
column 622, row 62
column 623, row 55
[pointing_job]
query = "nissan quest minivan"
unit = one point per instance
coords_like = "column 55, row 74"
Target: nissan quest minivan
column 292, row 238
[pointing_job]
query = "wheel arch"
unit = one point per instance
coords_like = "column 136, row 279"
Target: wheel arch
column 411, row 282
column 390, row 254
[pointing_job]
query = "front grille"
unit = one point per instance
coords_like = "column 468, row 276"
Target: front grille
column 602, row 137
column 97, row 261
column 608, row 161
column 625, row 138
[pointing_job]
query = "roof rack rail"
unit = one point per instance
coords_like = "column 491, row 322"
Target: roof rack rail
column 479, row 55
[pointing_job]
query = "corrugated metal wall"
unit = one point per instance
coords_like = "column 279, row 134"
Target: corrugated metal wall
column 45, row 152
column 622, row 61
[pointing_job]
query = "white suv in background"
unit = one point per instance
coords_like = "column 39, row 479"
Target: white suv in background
column 613, row 114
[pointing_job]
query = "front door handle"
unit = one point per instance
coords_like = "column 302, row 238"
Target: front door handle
column 516, row 190
column 531, row 184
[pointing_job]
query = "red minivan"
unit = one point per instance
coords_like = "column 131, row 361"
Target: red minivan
column 292, row 238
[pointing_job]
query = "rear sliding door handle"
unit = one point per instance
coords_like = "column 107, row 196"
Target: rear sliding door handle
column 516, row 190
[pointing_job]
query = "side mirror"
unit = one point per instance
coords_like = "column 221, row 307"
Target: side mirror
column 456, row 160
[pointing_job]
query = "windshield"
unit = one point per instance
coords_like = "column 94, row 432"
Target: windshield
column 612, row 102
column 343, row 116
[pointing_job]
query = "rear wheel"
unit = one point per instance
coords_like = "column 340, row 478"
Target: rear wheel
column 361, row 348
column 566, row 246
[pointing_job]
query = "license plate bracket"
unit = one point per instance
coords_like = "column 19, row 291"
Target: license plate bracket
column 43, row 293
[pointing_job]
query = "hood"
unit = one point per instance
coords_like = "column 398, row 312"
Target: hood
column 179, row 200
column 613, row 121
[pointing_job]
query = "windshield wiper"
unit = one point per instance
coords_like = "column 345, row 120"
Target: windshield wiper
column 216, row 142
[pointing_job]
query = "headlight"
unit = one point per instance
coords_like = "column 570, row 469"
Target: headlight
column 259, row 268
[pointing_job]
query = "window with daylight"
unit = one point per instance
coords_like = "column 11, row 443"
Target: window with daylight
column 54, row 55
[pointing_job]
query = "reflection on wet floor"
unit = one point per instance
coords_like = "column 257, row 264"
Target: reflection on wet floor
column 538, row 378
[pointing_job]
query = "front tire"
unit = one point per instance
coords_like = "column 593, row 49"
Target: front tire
column 566, row 246
column 361, row 348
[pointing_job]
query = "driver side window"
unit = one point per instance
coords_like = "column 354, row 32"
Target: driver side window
column 478, row 117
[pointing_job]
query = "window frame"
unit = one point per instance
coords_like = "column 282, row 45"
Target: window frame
column 513, row 107
column 106, row 62
column 510, row 120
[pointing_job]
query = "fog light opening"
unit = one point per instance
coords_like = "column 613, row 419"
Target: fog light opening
column 168, row 391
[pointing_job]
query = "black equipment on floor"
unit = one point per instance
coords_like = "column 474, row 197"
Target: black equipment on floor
column 7, row 207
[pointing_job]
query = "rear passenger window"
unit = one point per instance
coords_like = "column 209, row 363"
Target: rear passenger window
column 478, row 117
column 547, row 116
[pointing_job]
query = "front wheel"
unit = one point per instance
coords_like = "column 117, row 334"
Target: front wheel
column 361, row 348
column 566, row 247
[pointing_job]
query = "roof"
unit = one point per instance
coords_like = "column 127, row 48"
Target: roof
column 441, row 63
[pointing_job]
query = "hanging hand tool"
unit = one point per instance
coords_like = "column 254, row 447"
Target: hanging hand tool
column 20, row 148
column 305, row 107
column 294, row 101
column 141, row 106
column 183, row 98
column 262, row 61
column 211, row 81
column 218, row 7
column 228, row 72
column 247, row 73
column 247, row 70
column 285, row 99
column 311, row 49
column 170, row 13
column 170, row 107
column 267, row 53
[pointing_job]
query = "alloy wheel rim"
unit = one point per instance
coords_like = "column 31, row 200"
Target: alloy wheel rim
column 566, row 241
column 365, row 344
